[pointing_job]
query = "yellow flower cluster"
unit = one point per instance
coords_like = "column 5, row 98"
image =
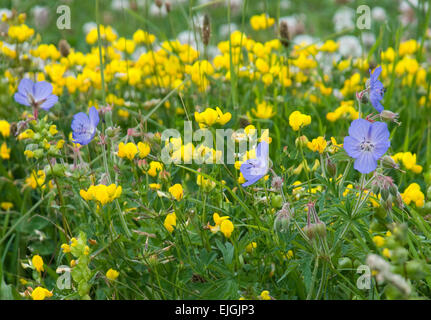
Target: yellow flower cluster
column 101, row 193
column 46, row 51
column 40, row 293
column 4, row 128
column 4, row 151
column 352, row 85
column 222, row 224
column 112, row 274
column 319, row 144
column 130, row 150
column 155, row 167
column 106, row 33
column 210, row 117
column 346, row 110
column 170, row 221
column 408, row 160
column 298, row 120
column 37, row 263
column 261, row 22
column 20, row 33
column 413, row 194
column 36, row 179
column 176, row 191
column 263, row 110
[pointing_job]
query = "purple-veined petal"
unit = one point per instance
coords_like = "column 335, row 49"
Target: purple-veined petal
column 82, row 139
column 26, row 86
column 49, row 102
column 380, row 149
column 379, row 132
column 21, row 99
column 359, row 129
column 352, row 147
column 375, row 102
column 375, row 74
column 42, row 90
column 94, row 116
column 80, row 122
column 365, row 163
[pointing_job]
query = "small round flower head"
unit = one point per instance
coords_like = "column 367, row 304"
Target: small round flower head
column 255, row 169
column 84, row 127
column 366, row 143
column 376, row 89
column 35, row 95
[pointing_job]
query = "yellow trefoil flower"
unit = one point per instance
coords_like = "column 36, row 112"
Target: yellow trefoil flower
column 112, row 274
column 176, row 191
column 298, row 120
column 40, row 293
column 318, row 144
column 37, row 263
column 128, row 150
column 170, row 221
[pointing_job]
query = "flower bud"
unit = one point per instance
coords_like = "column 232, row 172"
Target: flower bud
column 301, row 141
column 283, row 218
column 389, row 115
column 277, row 183
column 320, row 228
column 384, row 193
column 330, row 167
column 387, row 161
column 276, row 201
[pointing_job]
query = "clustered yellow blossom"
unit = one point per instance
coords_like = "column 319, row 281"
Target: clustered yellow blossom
column 155, row 167
column 298, row 120
column 6, row 206
column 413, row 194
column 40, row 293
column 170, row 221
column 4, row 151
column 346, row 111
column 265, row 295
column 36, row 179
column 101, row 193
column 37, row 263
column 20, row 33
column 176, row 191
column 210, row 117
column 222, row 224
column 112, row 274
column 128, row 150
column 261, row 22
column 263, row 110
column 4, row 128
column 319, row 144
column 408, row 160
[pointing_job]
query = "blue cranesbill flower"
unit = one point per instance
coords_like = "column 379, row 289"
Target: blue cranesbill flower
column 254, row 169
column 366, row 143
column 84, row 127
column 376, row 89
column 35, row 94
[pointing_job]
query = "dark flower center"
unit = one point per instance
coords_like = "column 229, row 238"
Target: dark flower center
column 366, row 145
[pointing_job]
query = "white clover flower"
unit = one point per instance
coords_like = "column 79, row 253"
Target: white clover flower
column 350, row 46
column 344, row 19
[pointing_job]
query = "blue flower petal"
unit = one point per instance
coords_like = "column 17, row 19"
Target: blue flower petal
column 365, row 163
